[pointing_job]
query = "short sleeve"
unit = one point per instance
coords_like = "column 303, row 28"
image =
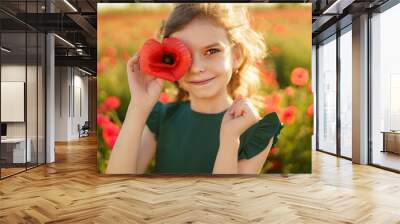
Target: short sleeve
column 257, row 137
column 154, row 120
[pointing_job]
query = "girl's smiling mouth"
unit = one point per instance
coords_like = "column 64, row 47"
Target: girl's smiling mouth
column 201, row 82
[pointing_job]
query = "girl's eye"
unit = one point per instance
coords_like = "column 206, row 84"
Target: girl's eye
column 212, row 51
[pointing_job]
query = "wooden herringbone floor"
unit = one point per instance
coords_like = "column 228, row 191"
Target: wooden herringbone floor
column 70, row 191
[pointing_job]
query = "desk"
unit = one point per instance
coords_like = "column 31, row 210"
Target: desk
column 15, row 148
column 391, row 141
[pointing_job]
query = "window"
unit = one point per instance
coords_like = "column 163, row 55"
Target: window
column 346, row 92
column 327, row 95
column 385, row 89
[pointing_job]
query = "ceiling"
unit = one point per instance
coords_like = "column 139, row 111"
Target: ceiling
column 75, row 21
column 332, row 15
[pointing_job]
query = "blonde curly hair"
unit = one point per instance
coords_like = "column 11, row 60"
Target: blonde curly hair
column 235, row 19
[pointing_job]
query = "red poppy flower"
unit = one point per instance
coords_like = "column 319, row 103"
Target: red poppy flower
column 272, row 102
column 288, row 114
column 169, row 60
column 110, row 134
column 102, row 120
column 101, row 67
column 125, row 55
column 279, row 28
column 275, row 50
column 111, row 52
column 309, row 88
column 274, row 151
column 289, row 91
column 111, row 103
column 310, row 110
column 299, row 76
column 164, row 98
column 276, row 165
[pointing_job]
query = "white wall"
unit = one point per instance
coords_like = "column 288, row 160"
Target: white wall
column 33, row 127
column 61, row 103
column 70, row 83
column 15, row 73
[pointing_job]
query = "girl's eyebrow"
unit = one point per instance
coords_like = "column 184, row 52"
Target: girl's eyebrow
column 214, row 45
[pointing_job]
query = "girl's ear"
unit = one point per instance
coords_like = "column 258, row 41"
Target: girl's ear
column 238, row 56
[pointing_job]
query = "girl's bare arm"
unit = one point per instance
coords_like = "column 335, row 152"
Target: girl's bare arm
column 147, row 150
column 125, row 154
column 135, row 145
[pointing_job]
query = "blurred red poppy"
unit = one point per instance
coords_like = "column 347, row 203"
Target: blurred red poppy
column 110, row 134
column 276, row 164
column 102, row 120
column 274, row 151
column 279, row 28
column 299, row 76
column 125, row 55
column 289, row 91
column 111, row 52
column 288, row 115
column 275, row 50
column 101, row 67
column 111, row 103
column 164, row 98
column 272, row 102
column 169, row 60
column 310, row 110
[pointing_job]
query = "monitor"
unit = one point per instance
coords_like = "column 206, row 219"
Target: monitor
column 3, row 129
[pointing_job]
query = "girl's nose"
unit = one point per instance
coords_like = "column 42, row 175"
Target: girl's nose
column 197, row 65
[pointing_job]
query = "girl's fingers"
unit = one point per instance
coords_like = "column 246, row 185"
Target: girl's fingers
column 160, row 82
column 240, row 108
column 234, row 110
column 234, row 103
column 136, row 57
column 133, row 66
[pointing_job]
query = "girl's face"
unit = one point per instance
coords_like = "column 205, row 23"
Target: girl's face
column 214, row 59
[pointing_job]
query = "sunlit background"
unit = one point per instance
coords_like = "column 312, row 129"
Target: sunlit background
column 286, row 78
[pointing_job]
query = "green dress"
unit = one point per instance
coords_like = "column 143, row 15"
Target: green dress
column 188, row 141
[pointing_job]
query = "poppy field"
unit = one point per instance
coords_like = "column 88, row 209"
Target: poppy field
column 285, row 76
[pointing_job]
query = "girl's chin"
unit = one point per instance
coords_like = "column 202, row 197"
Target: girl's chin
column 204, row 94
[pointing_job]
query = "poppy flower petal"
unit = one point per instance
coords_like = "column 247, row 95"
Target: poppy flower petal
column 169, row 60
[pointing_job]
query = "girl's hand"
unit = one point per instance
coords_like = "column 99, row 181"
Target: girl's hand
column 240, row 116
column 145, row 90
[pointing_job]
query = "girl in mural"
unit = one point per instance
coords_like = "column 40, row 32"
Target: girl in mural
column 212, row 127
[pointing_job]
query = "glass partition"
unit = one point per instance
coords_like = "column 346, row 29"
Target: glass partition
column 15, row 151
column 22, row 89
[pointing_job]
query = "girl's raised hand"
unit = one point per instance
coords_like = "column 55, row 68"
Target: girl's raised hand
column 239, row 117
column 145, row 90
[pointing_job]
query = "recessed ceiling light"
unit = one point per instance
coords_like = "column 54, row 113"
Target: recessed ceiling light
column 5, row 49
column 70, row 5
column 64, row 40
column 86, row 72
